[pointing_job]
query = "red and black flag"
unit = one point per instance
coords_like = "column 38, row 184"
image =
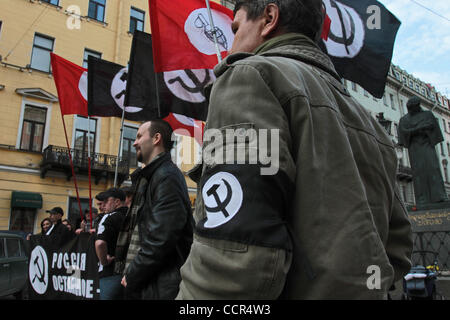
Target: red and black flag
column 180, row 93
column 183, row 37
column 71, row 85
column 107, row 82
column 360, row 41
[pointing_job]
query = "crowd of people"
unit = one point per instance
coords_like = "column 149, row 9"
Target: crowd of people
column 310, row 231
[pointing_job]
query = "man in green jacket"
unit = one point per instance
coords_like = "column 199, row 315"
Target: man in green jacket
column 326, row 221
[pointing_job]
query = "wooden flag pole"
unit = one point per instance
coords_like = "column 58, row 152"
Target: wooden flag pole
column 213, row 27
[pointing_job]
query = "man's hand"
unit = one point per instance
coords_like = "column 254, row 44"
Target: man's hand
column 109, row 259
column 124, row 282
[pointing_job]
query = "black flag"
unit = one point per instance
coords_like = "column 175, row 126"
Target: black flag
column 107, row 83
column 361, row 41
column 179, row 91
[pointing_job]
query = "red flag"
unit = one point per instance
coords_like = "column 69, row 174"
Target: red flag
column 182, row 34
column 186, row 126
column 71, row 84
column 326, row 27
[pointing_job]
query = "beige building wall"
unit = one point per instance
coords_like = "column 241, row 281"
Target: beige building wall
column 21, row 20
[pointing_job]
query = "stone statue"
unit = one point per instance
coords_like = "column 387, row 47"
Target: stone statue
column 419, row 132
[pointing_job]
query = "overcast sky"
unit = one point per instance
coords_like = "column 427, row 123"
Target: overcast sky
column 422, row 45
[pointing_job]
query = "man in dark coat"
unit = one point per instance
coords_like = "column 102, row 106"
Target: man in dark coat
column 157, row 233
column 419, row 132
column 58, row 233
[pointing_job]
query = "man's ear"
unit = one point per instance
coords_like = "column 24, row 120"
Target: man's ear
column 157, row 138
column 271, row 20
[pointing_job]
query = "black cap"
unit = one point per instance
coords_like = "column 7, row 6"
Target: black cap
column 114, row 193
column 56, row 210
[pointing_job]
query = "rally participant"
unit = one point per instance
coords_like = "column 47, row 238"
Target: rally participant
column 105, row 244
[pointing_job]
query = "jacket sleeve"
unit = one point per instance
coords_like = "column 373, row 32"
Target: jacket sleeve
column 159, row 231
column 399, row 245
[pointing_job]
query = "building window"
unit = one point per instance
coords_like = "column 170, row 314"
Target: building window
column 22, row 219
column 392, row 101
column 385, row 100
column 445, row 125
column 33, row 128
column 448, row 148
column 366, row 94
column 85, row 133
column 442, row 149
column 88, row 53
column 354, row 87
column 97, row 10
column 228, row 3
column 74, row 216
column 128, row 151
column 40, row 56
column 402, row 108
column 53, row 2
column 136, row 20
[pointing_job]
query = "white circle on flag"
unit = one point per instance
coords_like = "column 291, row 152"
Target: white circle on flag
column 185, row 120
column 83, row 85
column 188, row 85
column 222, row 197
column 346, row 37
column 38, row 270
column 118, row 88
column 199, row 31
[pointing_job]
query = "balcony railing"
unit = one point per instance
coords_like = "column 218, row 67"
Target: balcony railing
column 102, row 165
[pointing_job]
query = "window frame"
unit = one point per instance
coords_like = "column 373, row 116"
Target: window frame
column 34, row 123
column 37, row 34
column 132, row 18
column 132, row 165
column 50, row 2
column 97, row 4
column 90, row 52
column 94, row 146
column 31, row 212
column 25, row 103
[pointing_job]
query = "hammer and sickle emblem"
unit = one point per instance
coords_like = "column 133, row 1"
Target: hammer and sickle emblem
column 40, row 275
column 222, row 196
column 200, row 22
column 343, row 40
column 347, row 31
column 124, row 78
column 221, row 205
column 198, row 85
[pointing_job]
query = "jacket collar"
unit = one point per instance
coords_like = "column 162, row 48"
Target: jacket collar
column 149, row 169
column 291, row 45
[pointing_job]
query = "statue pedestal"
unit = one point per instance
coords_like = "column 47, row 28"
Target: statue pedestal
column 431, row 235
column 433, row 206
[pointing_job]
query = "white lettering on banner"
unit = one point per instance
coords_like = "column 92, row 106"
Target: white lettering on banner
column 74, row 285
column 66, row 260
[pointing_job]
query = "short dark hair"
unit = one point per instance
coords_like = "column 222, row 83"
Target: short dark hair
column 300, row 16
column 162, row 127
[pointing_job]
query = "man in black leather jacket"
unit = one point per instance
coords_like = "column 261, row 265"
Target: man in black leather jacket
column 157, row 233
